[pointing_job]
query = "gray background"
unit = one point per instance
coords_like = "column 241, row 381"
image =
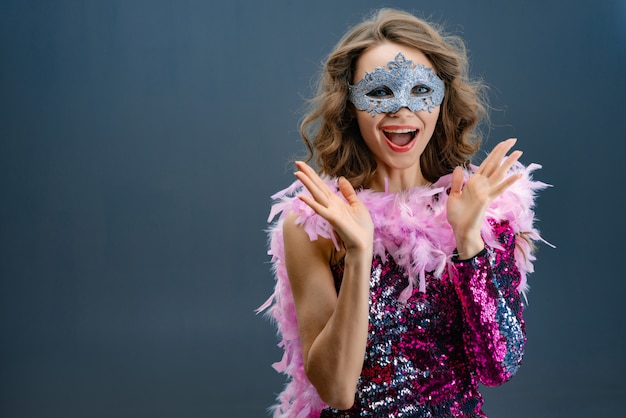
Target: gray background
column 140, row 141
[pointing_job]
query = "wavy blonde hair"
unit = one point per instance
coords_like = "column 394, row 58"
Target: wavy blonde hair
column 330, row 130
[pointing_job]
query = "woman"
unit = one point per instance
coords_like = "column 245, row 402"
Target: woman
column 399, row 270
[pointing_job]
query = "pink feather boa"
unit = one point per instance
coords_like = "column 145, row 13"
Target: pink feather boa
column 412, row 228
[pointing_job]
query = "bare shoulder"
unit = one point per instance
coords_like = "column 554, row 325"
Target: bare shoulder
column 298, row 242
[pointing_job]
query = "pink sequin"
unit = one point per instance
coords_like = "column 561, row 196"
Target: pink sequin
column 425, row 357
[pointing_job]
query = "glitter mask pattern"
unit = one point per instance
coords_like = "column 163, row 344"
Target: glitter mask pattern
column 400, row 77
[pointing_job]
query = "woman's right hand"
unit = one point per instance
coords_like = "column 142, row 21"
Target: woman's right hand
column 349, row 218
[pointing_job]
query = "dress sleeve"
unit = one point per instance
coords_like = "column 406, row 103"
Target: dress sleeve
column 487, row 286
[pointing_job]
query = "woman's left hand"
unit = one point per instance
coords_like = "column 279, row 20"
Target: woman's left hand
column 467, row 203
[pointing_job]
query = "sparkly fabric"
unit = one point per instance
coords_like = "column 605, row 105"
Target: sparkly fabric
column 437, row 325
column 425, row 357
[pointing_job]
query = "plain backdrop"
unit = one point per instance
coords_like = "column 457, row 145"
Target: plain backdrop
column 139, row 144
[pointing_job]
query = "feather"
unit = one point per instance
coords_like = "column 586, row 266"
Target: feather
column 412, row 228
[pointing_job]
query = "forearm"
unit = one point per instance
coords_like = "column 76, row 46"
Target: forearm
column 335, row 359
column 495, row 333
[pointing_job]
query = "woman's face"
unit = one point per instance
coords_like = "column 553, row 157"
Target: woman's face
column 386, row 86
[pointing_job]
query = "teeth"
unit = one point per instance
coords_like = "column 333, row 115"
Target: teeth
column 399, row 131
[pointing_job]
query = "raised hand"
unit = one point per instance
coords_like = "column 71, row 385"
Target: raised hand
column 467, row 203
column 349, row 218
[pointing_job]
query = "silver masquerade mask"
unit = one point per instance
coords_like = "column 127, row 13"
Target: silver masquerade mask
column 401, row 85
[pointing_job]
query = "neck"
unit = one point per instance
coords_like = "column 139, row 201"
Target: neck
column 396, row 180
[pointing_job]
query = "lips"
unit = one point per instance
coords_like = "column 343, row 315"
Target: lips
column 400, row 138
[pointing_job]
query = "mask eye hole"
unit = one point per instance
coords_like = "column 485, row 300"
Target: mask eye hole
column 382, row 92
column 421, row 90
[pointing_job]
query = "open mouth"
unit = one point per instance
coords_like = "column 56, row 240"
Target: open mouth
column 400, row 137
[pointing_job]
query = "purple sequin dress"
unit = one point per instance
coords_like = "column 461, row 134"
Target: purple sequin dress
column 425, row 357
column 437, row 325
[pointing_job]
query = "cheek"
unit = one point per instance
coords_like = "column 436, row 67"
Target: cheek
column 367, row 123
column 432, row 118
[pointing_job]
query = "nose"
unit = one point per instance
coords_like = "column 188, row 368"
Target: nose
column 401, row 112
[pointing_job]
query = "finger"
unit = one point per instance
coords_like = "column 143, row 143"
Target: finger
column 348, row 191
column 456, row 183
column 493, row 160
column 311, row 173
column 313, row 204
column 314, row 179
column 317, row 194
column 501, row 188
column 314, row 184
column 308, row 178
column 506, row 165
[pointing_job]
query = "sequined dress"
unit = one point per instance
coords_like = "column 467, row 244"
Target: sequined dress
column 437, row 325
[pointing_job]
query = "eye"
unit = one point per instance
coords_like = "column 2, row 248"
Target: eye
column 421, row 90
column 382, row 92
